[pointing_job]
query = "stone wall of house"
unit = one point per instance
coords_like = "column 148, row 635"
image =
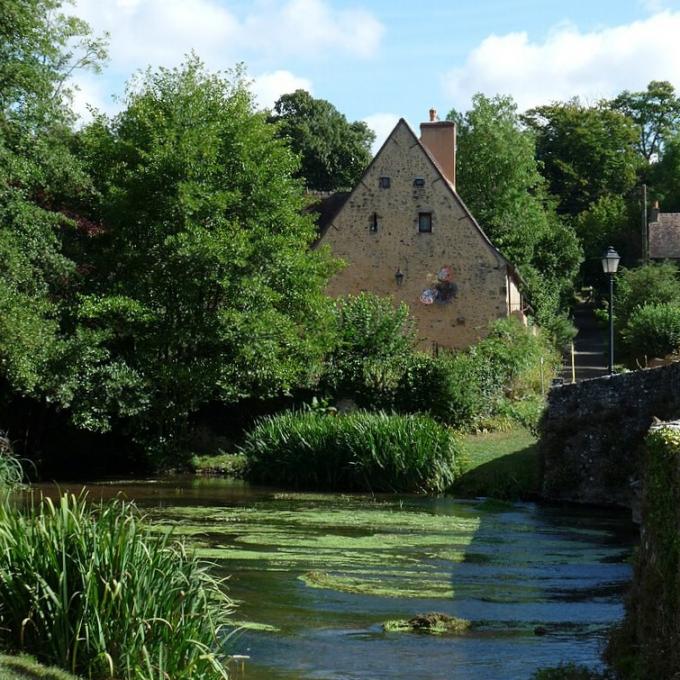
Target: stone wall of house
column 453, row 264
column 647, row 643
column 592, row 432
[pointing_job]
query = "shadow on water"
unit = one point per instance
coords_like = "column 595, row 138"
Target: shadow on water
column 317, row 575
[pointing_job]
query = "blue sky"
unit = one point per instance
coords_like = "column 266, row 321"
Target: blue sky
column 378, row 60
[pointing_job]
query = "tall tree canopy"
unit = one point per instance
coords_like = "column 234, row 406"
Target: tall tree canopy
column 334, row 152
column 586, row 152
column 40, row 182
column 498, row 177
column 656, row 113
column 204, row 286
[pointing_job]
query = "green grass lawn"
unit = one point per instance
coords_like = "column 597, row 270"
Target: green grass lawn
column 25, row 668
column 502, row 465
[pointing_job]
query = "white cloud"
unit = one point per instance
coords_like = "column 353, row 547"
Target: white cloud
column 570, row 63
column 160, row 32
column 313, row 27
column 268, row 87
column 382, row 124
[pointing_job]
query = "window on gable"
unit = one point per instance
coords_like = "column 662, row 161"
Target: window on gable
column 384, row 183
column 424, row 222
column 419, row 182
column 375, row 221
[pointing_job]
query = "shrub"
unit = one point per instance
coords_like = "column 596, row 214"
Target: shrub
column 653, row 331
column 374, row 339
column 90, row 590
column 450, row 388
column 467, row 388
column 357, row 451
column 649, row 284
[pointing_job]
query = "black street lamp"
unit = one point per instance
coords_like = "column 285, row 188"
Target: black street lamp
column 610, row 263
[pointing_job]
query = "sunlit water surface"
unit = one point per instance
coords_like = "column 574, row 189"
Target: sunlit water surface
column 316, row 575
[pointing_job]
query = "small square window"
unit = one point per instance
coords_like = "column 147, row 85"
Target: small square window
column 419, row 182
column 373, row 226
column 424, row 222
column 384, row 183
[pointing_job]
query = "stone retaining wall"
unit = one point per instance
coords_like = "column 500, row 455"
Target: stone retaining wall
column 647, row 644
column 591, row 433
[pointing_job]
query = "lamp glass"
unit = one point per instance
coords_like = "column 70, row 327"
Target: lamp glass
column 610, row 261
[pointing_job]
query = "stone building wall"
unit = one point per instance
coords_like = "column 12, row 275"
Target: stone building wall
column 592, row 433
column 376, row 233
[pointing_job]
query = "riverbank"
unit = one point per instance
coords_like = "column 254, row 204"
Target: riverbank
column 26, row 668
column 501, row 465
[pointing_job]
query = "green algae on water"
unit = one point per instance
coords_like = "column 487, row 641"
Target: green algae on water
column 378, row 587
column 433, row 623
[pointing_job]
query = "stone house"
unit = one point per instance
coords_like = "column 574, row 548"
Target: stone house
column 663, row 235
column 404, row 232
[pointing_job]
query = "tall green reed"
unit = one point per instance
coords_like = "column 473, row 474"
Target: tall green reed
column 357, row 451
column 89, row 589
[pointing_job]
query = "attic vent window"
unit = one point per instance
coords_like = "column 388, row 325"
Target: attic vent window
column 373, row 226
column 419, row 182
column 424, row 222
column 384, row 183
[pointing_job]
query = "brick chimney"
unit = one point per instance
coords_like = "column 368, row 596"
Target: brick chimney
column 439, row 137
column 654, row 212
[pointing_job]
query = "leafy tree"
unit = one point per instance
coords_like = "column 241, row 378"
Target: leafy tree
column 611, row 220
column 499, row 179
column 334, row 152
column 656, row 113
column 205, row 289
column 586, row 152
column 40, row 178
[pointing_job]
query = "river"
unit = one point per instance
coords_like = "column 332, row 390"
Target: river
column 316, row 576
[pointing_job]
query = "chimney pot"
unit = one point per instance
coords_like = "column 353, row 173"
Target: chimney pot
column 433, row 115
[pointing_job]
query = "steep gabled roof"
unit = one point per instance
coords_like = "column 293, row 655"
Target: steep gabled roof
column 327, row 217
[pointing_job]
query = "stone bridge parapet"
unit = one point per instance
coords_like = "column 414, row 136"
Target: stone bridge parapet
column 592, row 432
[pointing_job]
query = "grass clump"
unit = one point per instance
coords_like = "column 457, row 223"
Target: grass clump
column 227, row 464
column 26, row 668
column 358, row 451
column 90, row 590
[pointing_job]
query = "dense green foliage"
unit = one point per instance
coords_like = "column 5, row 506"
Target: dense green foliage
column 376, row 364
column 497, row 157
column 91, row 590
column 587, row 152
column 647, row 309
column 646, row 645
column 205, row 288
column 653, row 331
column 373, row 342
column 511, row 366
column 358, row 451
column 334, row 152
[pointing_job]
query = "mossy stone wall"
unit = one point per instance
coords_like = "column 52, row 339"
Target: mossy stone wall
column 647, row 645
column 592, row 434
